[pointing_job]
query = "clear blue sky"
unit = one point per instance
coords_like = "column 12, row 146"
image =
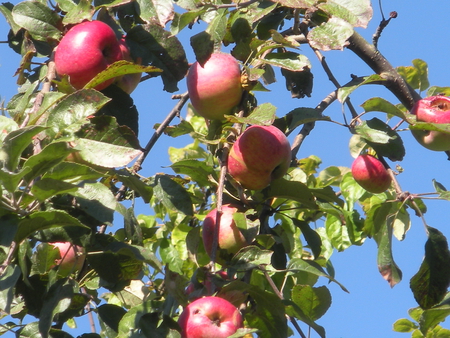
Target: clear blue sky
column 371, row 307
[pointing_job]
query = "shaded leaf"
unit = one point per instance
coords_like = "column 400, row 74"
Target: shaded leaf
column 172, row 195
column 312, row 237
column 430, row 283
column 357, row 13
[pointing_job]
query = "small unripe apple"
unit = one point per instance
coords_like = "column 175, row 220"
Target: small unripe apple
column 433, row 109
column 370, row 173
column 71, row 259
column 85, row 50
column 210, row 317
column 259, row 155
column 127, row 82
column 231, row 239
column 215, row 88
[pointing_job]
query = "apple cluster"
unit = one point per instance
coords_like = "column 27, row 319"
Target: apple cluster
column 87, row 49
column 433, row 109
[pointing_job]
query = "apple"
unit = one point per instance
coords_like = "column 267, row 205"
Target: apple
column 210, row 284
column 231, row 239
column 127, row 82
column 370, row 173
column 259, row 155
column 209, row 317
column 433, row 109
column 215, row 88
column 71, row 259
column 85, row 50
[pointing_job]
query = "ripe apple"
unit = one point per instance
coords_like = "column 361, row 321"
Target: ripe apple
column 128, row 82
column 370, row 173
column 71, row 259
column 86, row 50
column 209, row 317
column 231, row 239
column 215, row 88
column 259, row 155
column 433, row 109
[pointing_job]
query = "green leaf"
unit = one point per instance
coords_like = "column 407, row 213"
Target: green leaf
column 347, row 89
column 47, row 187
column 382, row 105
column 171, row 256
column 198, row 171
column 41, row 220
column 331, row 35
column 297, row 264
column 263, row 115
column 250, row 257
column 96, row 200
column 14, row 144
column 386, row 265
column 416, row 75
column 109, row 316
column 72, row 111
column 299, row 116
column 172, row 195
column 298, row 3
column 313, row 301
column 50, row 156
column 404, row 325
column 382, row 138
column 312, row 237
column 430, row 283
column 38, row 19
column 8, row 281
column 358, row 13
column 119, row 68
column 296, row 191
column 432, row 317
column 180, row 21
column 159, row 48
column 6, row 9
column 434, row 90
column 104, row 154
column 288, row 60
column 70, row 172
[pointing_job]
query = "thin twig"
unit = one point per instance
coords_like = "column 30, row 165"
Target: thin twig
column 159, row 131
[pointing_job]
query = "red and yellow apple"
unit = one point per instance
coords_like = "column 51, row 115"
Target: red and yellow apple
column 433, row 109
column 230, row 239
column 71, row 259
column 259, row 155
column 370, row 173
column 215, row 88
column 85, row 50
column 209, row 317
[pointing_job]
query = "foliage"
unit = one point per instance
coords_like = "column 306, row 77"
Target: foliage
column 67, row 172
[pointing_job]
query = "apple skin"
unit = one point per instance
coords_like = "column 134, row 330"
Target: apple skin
column 433, row 109
column 215, row 89
column 85, row 50
column 231, row 238
column 259, row 155
column 370, row 173
column 209, row 317
column 127, row 82
column 72, row 257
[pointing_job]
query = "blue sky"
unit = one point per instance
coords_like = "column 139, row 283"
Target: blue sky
column 371, row 307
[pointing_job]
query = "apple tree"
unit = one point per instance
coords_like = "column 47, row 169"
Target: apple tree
column 71, row 158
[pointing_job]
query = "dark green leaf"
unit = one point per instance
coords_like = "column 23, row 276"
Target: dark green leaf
column 312, row 237
column 38, row 19
column 297, row 117
column 8, row 281
column 313, row 301
column 47, row 187
column 296, row 191
column 109, row 317
column 430, row 283
column 382, row 138
column 172, row 195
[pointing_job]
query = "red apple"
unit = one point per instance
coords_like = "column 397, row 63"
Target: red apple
column 370, row 173
column 215, row 88
column 433, row 109
column 231, row 239
column 259, row 155
column 209, row 317
column 128, row 82
column 71, row 259
column 86, row 50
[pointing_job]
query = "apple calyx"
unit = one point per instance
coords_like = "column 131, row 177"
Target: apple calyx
column 370, row 173
column 433, row 109
column 260, row 155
